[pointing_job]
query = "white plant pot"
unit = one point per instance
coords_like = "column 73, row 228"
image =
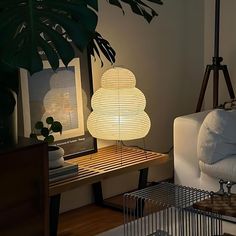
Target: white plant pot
column 55, row 156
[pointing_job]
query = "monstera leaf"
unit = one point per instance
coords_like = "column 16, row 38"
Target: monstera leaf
column 32, row 28
column 28, row 27
column 100, row 44
column 139, row 7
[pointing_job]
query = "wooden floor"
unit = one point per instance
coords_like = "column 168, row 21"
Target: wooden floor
column 88, row 221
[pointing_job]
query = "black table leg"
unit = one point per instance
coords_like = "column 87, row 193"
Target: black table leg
column 97, row 193
column 54, row 213
column 143, row 177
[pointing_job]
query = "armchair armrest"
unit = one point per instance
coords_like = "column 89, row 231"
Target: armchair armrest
column 186, row 163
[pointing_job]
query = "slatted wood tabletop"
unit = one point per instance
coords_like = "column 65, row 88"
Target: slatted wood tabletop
column 107, row 162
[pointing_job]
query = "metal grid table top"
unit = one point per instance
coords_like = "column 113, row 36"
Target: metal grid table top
column 170, row 195
column 167, row 209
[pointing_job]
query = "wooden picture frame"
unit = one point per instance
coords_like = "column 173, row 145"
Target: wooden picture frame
column 66, row 96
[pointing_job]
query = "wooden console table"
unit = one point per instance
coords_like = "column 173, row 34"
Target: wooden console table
column 107, row 162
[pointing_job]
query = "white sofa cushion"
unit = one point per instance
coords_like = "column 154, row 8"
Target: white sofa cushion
column 223, row 169
column 217, row 136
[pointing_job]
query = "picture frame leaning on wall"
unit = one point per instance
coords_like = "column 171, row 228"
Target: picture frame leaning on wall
column 66, row 96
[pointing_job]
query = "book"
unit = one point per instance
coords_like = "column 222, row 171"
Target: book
column 61, row 177
column 65, row 171
column 66, row 166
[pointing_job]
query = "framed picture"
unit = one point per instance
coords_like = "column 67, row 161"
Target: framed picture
column 66, row 96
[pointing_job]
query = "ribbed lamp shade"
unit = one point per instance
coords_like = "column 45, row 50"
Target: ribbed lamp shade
column 118, row 108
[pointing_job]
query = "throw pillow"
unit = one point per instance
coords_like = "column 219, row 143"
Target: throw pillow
column 217, row 136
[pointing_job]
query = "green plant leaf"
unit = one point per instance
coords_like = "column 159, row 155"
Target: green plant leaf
column 50, row 53
column 49, row 139
column 100, row 44
column 83, row 14
column 63, row 47
column 56, row 127
column 79, row 34
column 104, row 46
column 22, row 43
column 93, row 4
column 116, row 3
column 38, row 125
column 49, row 120
column 156, row 1
column 45, row 132
column 139, row 7
column 30, row 26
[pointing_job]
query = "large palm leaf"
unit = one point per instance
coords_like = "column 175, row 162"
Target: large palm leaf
column 29, row 27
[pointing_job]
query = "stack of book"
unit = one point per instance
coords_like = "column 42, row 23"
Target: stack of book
column 63, row 172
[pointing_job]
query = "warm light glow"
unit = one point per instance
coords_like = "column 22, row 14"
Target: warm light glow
column 118, row 108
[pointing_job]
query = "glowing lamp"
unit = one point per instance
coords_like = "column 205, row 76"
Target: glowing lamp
column 118, row 108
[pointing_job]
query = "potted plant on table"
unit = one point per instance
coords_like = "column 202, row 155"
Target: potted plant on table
column 56, row 28
column 55, row 153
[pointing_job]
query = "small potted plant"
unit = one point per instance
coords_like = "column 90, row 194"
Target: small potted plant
column 55, row 153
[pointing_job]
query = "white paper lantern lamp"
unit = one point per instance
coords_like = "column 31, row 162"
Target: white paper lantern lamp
column 118, row 108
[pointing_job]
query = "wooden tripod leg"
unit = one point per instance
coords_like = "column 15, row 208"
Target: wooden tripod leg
column 203, row 88
column 228, row 82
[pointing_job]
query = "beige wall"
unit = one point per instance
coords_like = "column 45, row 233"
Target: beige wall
column 227, row 45
column 167, row 59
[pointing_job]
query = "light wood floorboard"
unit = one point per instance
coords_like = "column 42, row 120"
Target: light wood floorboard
column 88, row 221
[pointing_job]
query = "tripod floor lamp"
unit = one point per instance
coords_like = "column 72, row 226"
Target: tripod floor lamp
column 216, row 67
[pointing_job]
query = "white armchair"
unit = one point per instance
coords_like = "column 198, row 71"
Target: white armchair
column 187, row 170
